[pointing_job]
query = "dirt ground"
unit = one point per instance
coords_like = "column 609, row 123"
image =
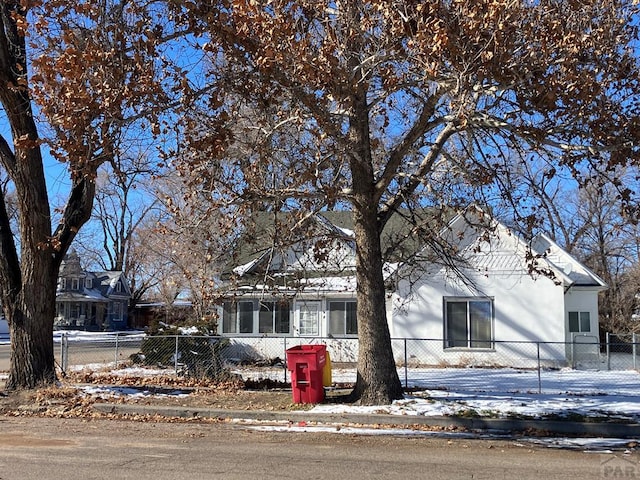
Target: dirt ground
column 74, row 396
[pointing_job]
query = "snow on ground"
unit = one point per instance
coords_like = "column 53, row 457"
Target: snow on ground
column 500, row 392
column 591, row 445
column 131, row 392
column 82, row 336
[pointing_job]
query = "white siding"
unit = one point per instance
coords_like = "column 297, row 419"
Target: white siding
column 582, row 299
column 526, row 309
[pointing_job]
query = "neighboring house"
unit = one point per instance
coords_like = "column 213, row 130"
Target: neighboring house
column 90, row 300
column 512, row 291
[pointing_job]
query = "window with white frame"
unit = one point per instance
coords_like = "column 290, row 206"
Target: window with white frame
column 274, row 317
column 75, row 283
column 342, row 317
column 309, row 318
column 271, row 316
column 579, row 322
column 468, row 322
column 88, row 283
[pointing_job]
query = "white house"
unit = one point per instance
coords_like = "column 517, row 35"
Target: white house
column 513, row 294
column 490, row 309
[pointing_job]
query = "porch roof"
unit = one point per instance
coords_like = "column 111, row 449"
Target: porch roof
column 85, row 296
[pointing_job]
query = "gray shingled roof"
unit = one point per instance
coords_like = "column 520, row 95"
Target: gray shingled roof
column 403, row 235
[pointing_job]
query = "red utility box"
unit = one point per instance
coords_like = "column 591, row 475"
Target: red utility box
column 306, row 363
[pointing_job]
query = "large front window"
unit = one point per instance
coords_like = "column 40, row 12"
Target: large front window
column 249, row 316
column 342, row 318
column 468, row 322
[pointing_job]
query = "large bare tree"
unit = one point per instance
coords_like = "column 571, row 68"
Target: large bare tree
column 73, row 75
column 388, row 106
column 125, row 200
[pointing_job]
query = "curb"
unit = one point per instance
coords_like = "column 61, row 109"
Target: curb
column 505, row 425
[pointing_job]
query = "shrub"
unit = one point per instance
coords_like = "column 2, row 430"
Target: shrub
column 191, row 347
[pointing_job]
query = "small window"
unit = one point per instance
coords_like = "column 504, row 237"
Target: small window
column 117, row 311
column 245, row 317
column 75, row 284
column 579, row 322
column 118, row 287
column 63, row 284
column 229, row 313
column 309, row 318
column 88, row 283
column 468, row 323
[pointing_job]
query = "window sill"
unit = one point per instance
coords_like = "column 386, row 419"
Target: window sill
column 469, row 349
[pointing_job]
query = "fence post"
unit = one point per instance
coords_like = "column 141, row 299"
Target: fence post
column 116, row 352
column 608, row 351
column 573, row 351
column 539, row 374
column 406, row 367
column 285, row 359
column 634, row 339
column 175, row 356
column 64, row 353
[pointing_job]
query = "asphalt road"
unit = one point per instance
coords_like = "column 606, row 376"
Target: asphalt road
column 75, row 449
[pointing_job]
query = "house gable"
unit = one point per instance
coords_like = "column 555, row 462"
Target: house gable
column 576, row 273
column 496, row 294
column 323, row 249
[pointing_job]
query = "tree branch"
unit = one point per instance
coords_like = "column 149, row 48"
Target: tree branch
column 416, row 178
column 400, row 151
column 7, row 157
column 76, row 213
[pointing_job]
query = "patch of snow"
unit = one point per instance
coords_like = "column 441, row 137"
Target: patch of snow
column 588, row 445
column 83, row 336
column 500, row 392
column 346, row 231
column 129, row 392
column 242, row 269
column 189, row 330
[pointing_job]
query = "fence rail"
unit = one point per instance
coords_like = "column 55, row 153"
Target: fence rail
column 260, row 357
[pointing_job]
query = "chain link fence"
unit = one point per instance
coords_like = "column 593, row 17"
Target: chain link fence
column 613, row 361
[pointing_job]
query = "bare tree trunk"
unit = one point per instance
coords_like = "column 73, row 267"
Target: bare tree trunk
column 377, row 381
column 31, row 329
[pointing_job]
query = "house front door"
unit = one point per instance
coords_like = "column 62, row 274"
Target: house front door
column 308, row 318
